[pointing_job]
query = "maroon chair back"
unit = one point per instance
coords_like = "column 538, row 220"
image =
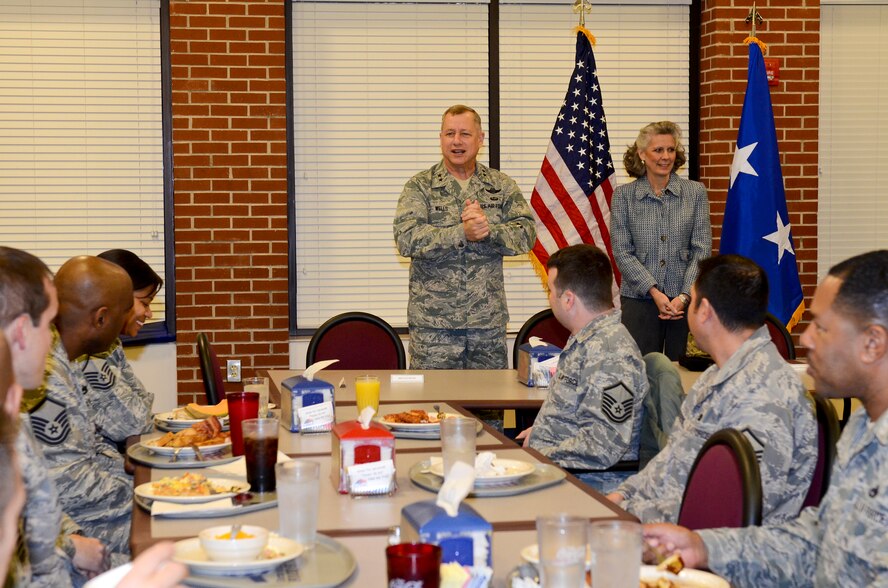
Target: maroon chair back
column 359, row 341
column 210, row 370
column 827, row 436
column 543, row 325
column 724, row 487
column 781, row 337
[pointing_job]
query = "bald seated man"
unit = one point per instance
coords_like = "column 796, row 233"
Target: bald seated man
column 95, row 298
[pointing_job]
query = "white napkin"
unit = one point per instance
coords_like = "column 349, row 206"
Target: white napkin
column 160, row 508
column 366, row 416
column 317, row 366
column 536, row 342
column 484, row 465
column 457, row 485
column 238, row 467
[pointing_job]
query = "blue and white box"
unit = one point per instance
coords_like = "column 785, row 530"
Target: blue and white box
column 464, row 539
column 529, row 357
column 299, row 392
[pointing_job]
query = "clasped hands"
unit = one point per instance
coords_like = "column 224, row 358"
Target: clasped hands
column 669, row 310
column 474, row 221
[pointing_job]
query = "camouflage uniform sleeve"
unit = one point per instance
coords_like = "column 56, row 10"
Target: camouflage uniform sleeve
column 517, row 231
column 120, row 404
column 415, row 235
column 784, row 555
column 41, row 515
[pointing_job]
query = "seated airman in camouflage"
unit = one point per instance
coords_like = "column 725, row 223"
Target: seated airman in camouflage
column 95, row 298
column 591, row 418
column 456, row 221
column 52, row 548
column 750, row 388
column 844, row 541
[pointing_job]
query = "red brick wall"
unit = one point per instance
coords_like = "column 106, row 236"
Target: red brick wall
column 792, row 32
column 230, row 183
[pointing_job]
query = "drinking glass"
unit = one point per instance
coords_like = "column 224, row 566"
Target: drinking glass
column 367, row 393
column 259, row 384
column 417, row 565
column 298, row 486
column 616, row 553
column 260, row 451
column 457, row 441
column 241, row 406
column 562, row 549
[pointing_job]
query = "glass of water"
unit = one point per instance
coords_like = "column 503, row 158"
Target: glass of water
column 562, row 550
column 457, row 441
column 297, row 490
column 616, row 553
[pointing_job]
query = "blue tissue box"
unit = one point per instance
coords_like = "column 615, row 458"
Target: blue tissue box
column 299, row 392
column 529, row 357
column 464, row 539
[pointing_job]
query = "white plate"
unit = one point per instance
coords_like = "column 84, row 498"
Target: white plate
column 687, row 578
column 531, row 554
column 146, row 490
column 185, row 451
column 169, row 418
column 190, row 553
column 515, row 470
column 415, row 426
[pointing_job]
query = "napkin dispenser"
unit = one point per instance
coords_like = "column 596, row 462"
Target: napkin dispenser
column 529, row 356
column 353, row 445
column 299, row 392
column 464, row 539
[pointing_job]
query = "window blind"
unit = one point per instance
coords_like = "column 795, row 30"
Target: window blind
column 370, row 82
column 852, row 213
column 81, row 161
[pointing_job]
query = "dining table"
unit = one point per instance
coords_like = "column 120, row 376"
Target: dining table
column 363, row 526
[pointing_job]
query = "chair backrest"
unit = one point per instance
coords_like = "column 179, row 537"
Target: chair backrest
column 781, row 337
column 724, row 488
column 543, row 325
column 214, row 383
column 661, row 405
column 827, row 436
column 359, row 340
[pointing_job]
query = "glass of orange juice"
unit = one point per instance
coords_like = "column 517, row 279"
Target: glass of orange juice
column 367, row 393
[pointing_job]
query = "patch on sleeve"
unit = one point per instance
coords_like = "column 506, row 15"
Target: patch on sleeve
column 617, row 403
column 756, row 443
column 50, row 423
column 100, row 379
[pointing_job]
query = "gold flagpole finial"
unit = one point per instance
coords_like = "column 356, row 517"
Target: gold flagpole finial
column 755, row 18
column 582, row 7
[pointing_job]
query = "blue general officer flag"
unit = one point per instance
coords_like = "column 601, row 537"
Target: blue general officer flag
column 756, row 222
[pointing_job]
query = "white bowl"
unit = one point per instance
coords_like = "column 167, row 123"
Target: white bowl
column 246, row 549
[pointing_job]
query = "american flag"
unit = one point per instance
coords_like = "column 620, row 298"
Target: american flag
column 572, row 196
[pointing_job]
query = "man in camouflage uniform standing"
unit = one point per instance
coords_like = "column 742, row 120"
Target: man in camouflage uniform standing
column 591, row 418
column 95, row 298
column 844, row 541
column 750, row 388
column 456, row 221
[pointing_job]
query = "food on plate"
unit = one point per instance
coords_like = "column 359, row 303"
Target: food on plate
column 240, row 535
column 202, row 411
column 672, row 564
column 188, row 485
column 206, row 432
column 411, row 417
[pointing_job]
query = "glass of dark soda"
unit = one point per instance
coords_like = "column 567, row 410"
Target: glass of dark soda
column 260, row 451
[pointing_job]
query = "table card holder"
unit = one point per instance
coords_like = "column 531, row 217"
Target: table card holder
column 535, row 362
column 359, row 442
column 302, row 391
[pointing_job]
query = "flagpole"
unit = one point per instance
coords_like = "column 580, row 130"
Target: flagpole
column 582, row 7
column 755, row 18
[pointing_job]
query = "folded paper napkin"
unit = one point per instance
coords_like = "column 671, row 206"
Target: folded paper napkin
column 162, row 508
column 238, row 467
column 457, row 484
column 484, row 464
